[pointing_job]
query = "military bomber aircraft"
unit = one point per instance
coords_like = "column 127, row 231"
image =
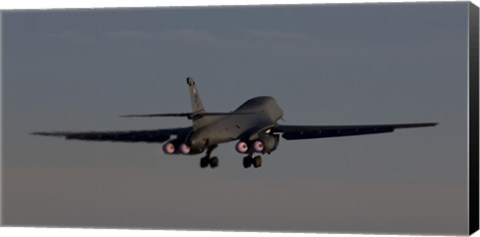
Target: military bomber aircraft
column 254, row 124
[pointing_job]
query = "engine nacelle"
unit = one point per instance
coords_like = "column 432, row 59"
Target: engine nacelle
column 176, row 147
column 169, row 148
column 241, row 147
column 184, row 149
column 266, row 144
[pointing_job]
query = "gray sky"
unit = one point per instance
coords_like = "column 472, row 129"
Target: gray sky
column 325, row 65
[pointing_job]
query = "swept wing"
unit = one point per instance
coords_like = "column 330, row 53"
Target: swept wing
column 149, row 136
column 297, row 132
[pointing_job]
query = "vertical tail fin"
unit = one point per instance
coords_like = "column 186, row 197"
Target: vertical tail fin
column 199, row 117
column 197, row 106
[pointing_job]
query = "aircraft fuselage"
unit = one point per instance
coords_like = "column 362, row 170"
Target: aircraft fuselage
column 260, row 113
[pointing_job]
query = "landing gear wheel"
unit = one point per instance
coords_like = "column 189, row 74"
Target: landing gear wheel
column 207, row 160
column 257, row 161
column 213, row 162
column 247, row 162
column 204, row 162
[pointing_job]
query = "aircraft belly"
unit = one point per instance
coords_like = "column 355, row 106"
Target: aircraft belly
column 231, row 128
column 225, row 134
column 251, row 131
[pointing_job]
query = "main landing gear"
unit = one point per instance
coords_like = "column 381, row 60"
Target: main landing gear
column 209, row 161
column 250, row 160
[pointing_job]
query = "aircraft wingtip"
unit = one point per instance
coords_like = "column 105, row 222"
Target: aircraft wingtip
column 39, row 133
column 47, row 134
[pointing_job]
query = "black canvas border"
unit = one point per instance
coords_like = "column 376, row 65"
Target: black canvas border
column 473, row 120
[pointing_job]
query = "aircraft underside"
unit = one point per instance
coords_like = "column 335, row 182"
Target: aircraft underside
column 267, row 143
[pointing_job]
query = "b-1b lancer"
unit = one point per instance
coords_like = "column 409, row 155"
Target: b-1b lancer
column 254, row 125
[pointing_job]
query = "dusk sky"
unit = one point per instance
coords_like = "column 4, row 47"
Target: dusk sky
column 324, row 64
